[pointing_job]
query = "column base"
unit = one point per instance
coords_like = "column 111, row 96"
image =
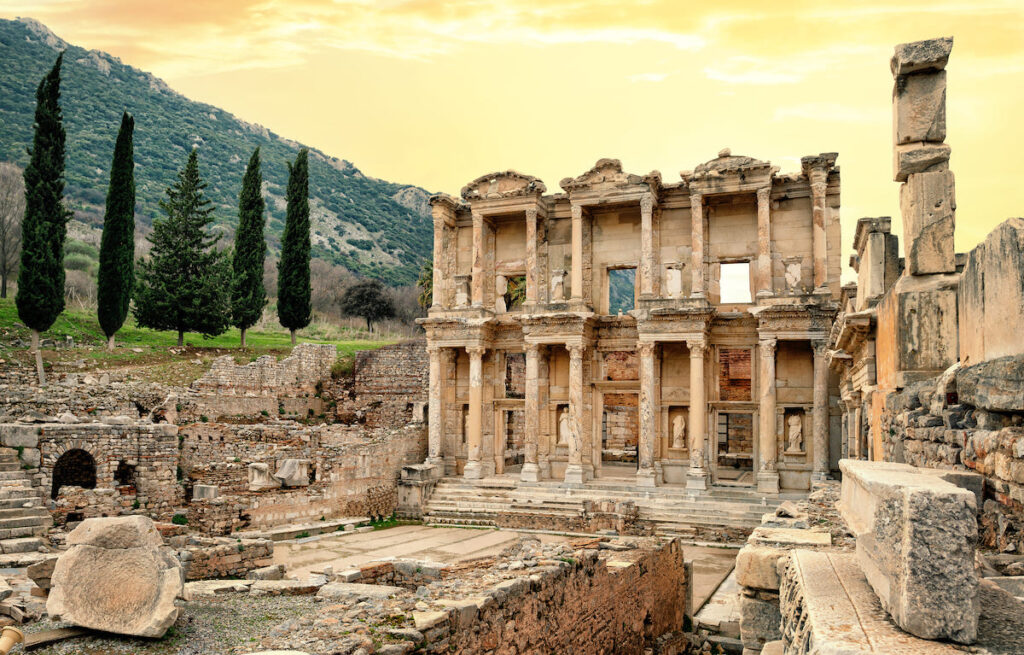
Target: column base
column 530, row 473
column 473, row 471
column 696, row 480
column 437, row 466
column 768, row 482
column 574, row 474
column 645, row 477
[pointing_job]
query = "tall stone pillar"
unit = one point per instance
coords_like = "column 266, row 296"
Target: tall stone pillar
column 768, row 473
column 574, row 471
column 477, row 283
column 648, row 268
column 577, row 254
column 697, row 476
column 764, row 243
column 438, row 286
column 435, row 409
column 819, row 245
column 697, row 244
column 645, row 476
column 531, row 472
column 820, row 412
column 532, row 278
column 474, row 439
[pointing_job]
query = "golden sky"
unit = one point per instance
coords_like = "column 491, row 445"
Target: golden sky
column 435, row 93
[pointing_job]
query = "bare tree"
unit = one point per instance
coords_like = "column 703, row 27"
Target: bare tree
column 12, row 210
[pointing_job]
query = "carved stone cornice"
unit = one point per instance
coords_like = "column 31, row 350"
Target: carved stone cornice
column 503, row 184
column 606, row 176
column 728, row 173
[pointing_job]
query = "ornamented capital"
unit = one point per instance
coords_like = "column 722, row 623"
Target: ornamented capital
column 577, row 211
column 532, row 349
column 476, row 351
column 531, row 214
column 646, row 348
column 768, row 347
column 820, row 347
column 647, row 203
column 763, row 194
column 575, row 351
column 697, row 347
column 818, row 188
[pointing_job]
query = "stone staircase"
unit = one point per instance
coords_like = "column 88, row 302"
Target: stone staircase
column 670, row 510
column 24, row 519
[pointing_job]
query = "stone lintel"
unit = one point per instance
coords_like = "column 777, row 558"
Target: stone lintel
column 920, row 56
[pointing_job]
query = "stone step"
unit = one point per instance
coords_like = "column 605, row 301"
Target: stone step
column 15, row 512
column 19, row 502
column 14, row 475
column 22, row 545
column 656, row 495
column 24, row 531
column 26, row 521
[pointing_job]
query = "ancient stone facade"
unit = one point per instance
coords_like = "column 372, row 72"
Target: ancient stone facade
column 680, row 327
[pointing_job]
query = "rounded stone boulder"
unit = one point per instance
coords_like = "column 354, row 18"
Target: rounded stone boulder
column 117, row 576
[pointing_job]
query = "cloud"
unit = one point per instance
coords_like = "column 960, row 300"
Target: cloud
column 648, row 77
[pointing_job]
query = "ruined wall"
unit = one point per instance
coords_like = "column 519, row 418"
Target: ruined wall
column 204, row 557
column 391, row 383
column 308, row 364
column 84, row 395
column 991, row 295
column 594, row 606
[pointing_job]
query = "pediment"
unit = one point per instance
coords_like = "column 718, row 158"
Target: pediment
column 608, row 174
column 504, row 184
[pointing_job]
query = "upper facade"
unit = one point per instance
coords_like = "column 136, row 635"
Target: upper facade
column 734, row 235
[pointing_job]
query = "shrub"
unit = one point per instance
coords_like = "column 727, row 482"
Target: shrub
column 179, row 519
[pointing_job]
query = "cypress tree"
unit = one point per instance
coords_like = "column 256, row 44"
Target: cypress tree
column 185, row 284
column 293, row 292
column 117, row 245
column 40, row 296
column 248, row 296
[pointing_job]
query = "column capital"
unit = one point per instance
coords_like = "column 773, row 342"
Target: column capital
column 646, row 348
column 647, row 203
column 476, row 351
column 696, row 198
column 818, row 187
column 576, row 209
column 697, row 347
column 531, row 213
column 763, row 194
column 820, row 347
column 768, row 345
column 576, row 350
column 433, row 350
column 532, row 349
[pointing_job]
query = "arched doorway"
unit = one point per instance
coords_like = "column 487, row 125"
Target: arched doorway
column 77, row 468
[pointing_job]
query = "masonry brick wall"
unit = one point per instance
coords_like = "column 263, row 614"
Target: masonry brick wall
column 204, row 557
column 391, row 383
column 307, row 365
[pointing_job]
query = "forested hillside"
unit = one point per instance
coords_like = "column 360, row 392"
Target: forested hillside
column 372, row 227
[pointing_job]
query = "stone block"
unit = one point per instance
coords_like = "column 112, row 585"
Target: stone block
column 918, row 56
column 916, row 537
column 928, row 206
column 760, row 621
column 969, row 480
column 913, row 158
column 293, row 473
column 757, row 567
column 919, row 108
column 205, row 491
column 789, row 537
column 917, row 330
column 13, row 435
column 996, row 385
column 357, row 591
column 1012, row 584
column 992, row 294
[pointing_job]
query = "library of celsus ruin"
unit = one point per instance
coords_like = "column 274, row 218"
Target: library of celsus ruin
column 670, row 332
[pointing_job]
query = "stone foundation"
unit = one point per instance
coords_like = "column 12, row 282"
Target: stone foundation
column 203, row 558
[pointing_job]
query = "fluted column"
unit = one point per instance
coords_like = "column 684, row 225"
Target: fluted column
column 531, row 472
column 574, row 470
column 435, row 413
column 819, row 246
column 577, row 254
column 477, row 284
column 697, row 243
column 532, row 278
column 645, row 476
column 820, row 412
column 474, row 439
column 647, row 265
column 764, row 242
column 696, row 477
column 768, row 474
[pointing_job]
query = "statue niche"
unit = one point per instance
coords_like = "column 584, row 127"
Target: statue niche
column 679, row 431
column 795, row 433
column 563, row 426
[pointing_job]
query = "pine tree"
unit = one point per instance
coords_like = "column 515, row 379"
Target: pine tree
column 248, row 296
column 117, row 245
column 40, row 296
column 185, row 284
column 293, row 291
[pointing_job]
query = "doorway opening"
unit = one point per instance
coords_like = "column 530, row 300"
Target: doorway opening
column 734, row 448
column 75, row 468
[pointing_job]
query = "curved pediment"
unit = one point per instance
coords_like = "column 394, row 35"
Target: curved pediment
column 728, row 164
column 608, row 174
column 505, row 184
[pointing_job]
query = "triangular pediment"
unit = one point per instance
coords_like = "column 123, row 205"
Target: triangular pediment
column 504, row 184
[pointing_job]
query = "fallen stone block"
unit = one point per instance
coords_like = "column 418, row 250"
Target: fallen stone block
column 274, row 572
column 995, row 385
column 1013, row 584
column 760, row 621
column 355, row 590
column 117, row 576
column 287, row 587
column 260, row 478
column 205, row 491
column 788, row 537
column 916, row 536
column 757, row 567
column 42, row 572
column 293, row 473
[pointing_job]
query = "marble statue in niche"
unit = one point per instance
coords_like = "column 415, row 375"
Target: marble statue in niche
column 563, row 426
column 795, row 429
column 557, row 285
column 679, row 431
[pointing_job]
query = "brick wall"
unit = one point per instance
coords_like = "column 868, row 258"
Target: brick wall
column 391, row 383
column 205, row 557
column 308, row 364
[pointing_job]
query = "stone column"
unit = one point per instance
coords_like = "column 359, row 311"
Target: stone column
column 439, row 281
column 435, row 413
column 768, row 473
column 764, row 243
column 645, row 476
column 474, row 439
column 697, row 243
column 647, row 266
column 531, row 472
column 577, row 254
column 697, row 477
column 477, row 284
column 820, row 412
column 819, row 246
column 532, row 279
column 574, row 470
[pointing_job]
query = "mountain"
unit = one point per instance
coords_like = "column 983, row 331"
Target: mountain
column 372, row 227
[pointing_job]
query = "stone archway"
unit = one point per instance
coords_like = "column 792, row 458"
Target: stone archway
column 76, row 467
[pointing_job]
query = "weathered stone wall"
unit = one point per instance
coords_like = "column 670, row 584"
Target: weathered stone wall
column 76, row 503
column 204, row 558
column 992, row 294
column 391, row 383
column 931, row 425
column 84, row 395
column 307, row 365
column 594, row 606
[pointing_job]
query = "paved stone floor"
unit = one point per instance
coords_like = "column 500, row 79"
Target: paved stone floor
column 450, row 545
